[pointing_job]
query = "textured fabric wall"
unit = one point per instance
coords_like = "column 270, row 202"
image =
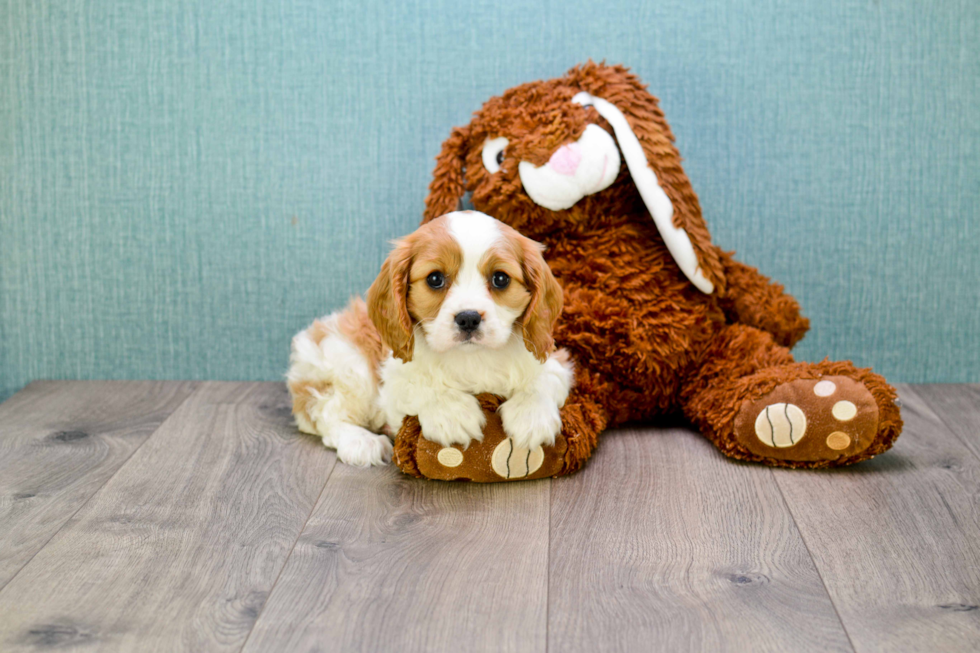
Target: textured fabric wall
column 185, row 184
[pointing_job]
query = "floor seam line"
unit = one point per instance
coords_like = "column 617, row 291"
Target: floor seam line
column 285, row 562
column 99, row 489
column 547, row 588
column 942, row 421
column 813, row 560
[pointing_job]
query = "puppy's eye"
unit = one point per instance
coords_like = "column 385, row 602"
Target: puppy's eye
column 436, row 280
column 493, row 153
column 499, row 280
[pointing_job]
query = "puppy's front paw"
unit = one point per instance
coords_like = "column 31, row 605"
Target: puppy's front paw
column 530, row 420
column 363, row 448
column 453, row 419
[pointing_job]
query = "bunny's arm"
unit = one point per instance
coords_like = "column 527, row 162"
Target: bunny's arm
column 754, row 300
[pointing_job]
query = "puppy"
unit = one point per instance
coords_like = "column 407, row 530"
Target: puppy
column 463, row 305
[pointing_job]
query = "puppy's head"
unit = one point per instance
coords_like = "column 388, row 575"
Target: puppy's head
column 551, row 155
column 465, row 280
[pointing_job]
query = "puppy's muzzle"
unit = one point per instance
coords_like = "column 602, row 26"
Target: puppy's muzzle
column 468, row 322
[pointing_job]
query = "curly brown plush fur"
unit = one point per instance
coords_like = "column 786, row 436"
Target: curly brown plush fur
column 645, row 340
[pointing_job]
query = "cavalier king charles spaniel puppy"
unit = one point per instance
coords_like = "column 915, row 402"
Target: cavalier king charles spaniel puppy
column 463, row 305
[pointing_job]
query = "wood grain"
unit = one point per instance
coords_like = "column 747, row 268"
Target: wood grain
column 661, row 544
column 181, row 547
column 897, row 539
column 208, row 534
column 389, row 562
column 60, row 442
column 958, row 407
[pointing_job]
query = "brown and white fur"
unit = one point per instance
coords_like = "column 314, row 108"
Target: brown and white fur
column 439, row 326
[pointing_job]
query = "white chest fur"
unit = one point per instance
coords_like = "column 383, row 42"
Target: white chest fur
column 439, row 388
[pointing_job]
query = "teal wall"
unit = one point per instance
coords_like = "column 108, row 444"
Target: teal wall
column 185, row 184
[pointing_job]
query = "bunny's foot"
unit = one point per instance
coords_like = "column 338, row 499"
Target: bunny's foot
column 810, row 420
column 755, row 403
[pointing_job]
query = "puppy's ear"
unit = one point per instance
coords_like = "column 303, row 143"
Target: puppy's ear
column 387, row 301
column 448, row 185
column 547, row 300
column 670, row 196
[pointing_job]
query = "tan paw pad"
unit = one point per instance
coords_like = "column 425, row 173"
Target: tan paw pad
column 809, row 420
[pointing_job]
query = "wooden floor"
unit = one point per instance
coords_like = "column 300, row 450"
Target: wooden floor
column 191, row 516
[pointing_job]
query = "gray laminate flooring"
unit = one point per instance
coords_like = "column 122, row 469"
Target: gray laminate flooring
column 172, row 516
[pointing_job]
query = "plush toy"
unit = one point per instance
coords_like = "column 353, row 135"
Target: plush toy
column 658, row 319
column 496, row 457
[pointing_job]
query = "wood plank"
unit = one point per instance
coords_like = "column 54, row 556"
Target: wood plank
column 60, row 441
column 181, row 547
column 958, row 406
column 389, row 562
column 897, row 538
column 662, row 544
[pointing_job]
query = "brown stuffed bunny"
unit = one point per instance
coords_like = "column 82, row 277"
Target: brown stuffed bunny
column 657, row 318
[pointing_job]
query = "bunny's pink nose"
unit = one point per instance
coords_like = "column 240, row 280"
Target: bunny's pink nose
column 566, row 159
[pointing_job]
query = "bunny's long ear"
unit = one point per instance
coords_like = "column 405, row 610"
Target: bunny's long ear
column 448, row 186
column 654, row 163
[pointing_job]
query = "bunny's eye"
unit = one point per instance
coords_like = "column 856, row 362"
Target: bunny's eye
column 493, row 153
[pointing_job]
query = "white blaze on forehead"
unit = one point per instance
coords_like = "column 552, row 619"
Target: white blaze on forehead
column 475, row 232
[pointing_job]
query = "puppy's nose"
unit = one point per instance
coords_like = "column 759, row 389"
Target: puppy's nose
column 468, row 321
column 566, row 158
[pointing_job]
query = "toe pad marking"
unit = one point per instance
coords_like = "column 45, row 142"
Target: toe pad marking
column 511, row 461
column 780, row 425
column 838, row 440
column 824, row 388
column 844, row 411
column 450, row 457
